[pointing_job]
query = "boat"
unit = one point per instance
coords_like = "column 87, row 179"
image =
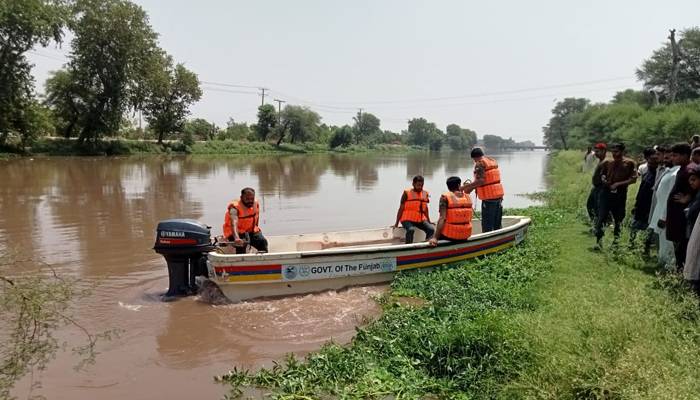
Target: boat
column 307, row 263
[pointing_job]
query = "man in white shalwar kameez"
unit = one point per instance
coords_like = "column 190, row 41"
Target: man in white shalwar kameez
column 660, row 199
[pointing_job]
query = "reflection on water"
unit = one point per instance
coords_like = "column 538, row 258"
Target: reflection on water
column 95, row 218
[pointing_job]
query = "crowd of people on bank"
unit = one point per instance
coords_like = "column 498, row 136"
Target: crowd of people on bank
column 665, row 209
column 241, row 220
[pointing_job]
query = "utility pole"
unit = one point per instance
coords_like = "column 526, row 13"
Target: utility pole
column 279, row 110
column 675, row 68
column 263, row 95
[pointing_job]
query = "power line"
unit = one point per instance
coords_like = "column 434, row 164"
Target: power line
column 228, row 91
column 485, row 94
column 230, row 85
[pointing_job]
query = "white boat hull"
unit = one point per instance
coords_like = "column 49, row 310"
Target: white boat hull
column 335, row 260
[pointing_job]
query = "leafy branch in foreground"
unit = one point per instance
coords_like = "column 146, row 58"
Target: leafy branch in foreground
column 33, row 307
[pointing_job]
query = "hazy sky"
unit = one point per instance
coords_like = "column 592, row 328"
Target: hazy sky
column 496, row 67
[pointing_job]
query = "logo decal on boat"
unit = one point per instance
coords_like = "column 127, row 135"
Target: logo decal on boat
column 290, row 272
column 339, row 269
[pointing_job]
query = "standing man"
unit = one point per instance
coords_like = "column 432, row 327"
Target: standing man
column 642, row 204
column 678, row 200
column 487, row 182
column 241, row 222
column 600, row 151
column 455, row 222
column 413, row 211
column 616, row 175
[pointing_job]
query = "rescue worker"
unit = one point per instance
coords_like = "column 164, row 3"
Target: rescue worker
column 456, row 213
column 413, row 211
column 244, row 215
column 487, row 182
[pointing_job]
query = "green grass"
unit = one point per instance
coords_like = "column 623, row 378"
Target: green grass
column 549, row 319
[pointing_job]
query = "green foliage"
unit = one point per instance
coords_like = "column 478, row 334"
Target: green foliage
column 235, row 131
column 656, row 70
column 459, row 138
column 112, row 53
column 267, row 121
column 33, row 307
column 367, row 127
column 423, row 133
column 23, row 25
column 557, row 131
column 169, row 91
column 633, row 124
column 342, row 137
column 300, row 123
column 201, row 129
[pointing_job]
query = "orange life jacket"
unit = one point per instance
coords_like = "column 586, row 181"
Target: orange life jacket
column 458, row 221
column 247, row 218
column 492, row 188
column 415, row 208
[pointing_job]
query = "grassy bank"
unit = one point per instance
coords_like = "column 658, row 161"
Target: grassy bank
column 548, row 319
column 63, row 147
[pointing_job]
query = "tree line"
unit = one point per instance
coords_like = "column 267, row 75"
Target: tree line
column 116, row 68
column 667, row 110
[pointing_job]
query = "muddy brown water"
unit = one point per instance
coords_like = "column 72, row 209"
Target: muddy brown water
column 94, row 219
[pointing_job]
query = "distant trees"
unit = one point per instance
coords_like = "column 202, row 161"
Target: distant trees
column 557, row 131
column 169, row 93
column 459, row 138
column 366, row 128
column 267, row 121
column 423, row 133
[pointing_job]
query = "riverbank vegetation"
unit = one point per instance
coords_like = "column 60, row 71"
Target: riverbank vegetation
column 546, row 319
column 666, row 111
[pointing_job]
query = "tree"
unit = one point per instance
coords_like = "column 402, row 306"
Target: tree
column 459, row 138
column 267, row 121
column 24, row 24
column 424, row 133
column 170, row 91
column 235, row 131
column 366, row 126
column 300, row 122
column 342, row 137
column 63, row 100
column 200, row 128
column 679, row 59
column 559, row 128
column 631, row 96
column 112, row 51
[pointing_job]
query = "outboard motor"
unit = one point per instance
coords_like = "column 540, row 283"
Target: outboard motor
column 184, row 243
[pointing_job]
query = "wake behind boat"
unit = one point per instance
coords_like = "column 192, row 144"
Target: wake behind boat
column 314, row 262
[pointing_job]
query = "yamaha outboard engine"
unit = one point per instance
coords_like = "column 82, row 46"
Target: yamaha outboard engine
column 184, row 243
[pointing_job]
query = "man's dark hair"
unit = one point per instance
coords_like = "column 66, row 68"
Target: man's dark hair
column 695, row 150
column 618, row 146
column 648, row 152
column 661, row 149
column 247, row 189
column 453, row 183
column 477, row 152
column 681, row 148
column 418, row 178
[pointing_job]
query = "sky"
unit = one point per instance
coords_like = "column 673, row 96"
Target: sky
column 496, row 67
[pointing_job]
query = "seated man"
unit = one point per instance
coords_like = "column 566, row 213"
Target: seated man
column 413, row 211
column 244, row 214
column 456, row 212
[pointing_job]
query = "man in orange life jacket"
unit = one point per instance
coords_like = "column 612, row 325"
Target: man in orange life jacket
column 244, row 215
column 413, row 211
column 456, row 212
column 487, row 182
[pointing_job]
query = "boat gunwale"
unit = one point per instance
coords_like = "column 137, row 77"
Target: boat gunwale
column 291, row 255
